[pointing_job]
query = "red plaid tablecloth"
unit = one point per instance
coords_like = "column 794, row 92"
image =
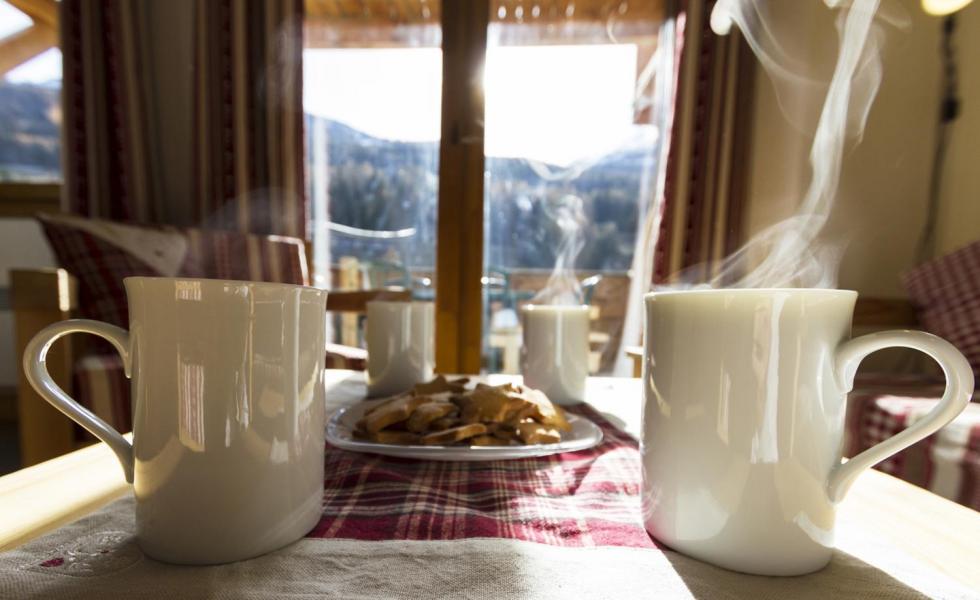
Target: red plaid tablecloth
column 587, row 498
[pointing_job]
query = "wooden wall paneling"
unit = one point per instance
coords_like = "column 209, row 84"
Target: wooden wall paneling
column 38, row 299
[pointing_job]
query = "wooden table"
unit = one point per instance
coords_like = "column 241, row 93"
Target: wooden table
column 940, row 535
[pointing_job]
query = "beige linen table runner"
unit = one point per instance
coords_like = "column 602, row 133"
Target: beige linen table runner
column 97, row 557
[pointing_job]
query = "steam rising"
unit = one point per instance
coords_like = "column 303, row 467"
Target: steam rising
column 563, row 287
column 793, row 254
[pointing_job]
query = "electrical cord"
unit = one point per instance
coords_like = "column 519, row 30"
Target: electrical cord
column 949, row 110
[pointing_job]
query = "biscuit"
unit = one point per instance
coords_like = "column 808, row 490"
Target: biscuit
column 544, row 411
column 392, row 412
column 488, row 440
column 404, row 438
column 453, row 435
column 535, row 433
column 428, row 412
column 490, row 405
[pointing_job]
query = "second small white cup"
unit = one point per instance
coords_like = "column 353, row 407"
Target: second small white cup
column 555, row 353
column 400, row 344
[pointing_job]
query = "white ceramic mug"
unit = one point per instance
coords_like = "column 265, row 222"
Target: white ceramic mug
column 228, row 413
column 400, row 344
column 555, row 350
column 743, row 417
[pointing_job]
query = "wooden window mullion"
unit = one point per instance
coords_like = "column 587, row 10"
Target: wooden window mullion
column 459, row 247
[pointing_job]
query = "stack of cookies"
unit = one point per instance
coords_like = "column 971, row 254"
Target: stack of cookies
column 446, row 412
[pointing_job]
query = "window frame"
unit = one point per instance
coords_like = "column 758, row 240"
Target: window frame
column 21, row 199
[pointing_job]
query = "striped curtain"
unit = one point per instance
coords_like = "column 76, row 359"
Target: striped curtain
column 704, row 188
column 108, row 139
column 248, row 116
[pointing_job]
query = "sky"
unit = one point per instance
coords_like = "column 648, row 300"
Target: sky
column 555, row 104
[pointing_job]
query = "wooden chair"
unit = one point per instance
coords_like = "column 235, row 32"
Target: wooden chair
column 40, row 297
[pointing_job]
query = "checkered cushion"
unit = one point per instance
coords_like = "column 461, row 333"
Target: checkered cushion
column 232, row 255
column 100, row 254
column 947, row 462
column 946, row 293
column 81, row 246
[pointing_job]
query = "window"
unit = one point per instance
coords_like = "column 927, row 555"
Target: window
column 372, row 92
column 571, row 168
column 30, row 65
column 30, row 106
column 570, row 128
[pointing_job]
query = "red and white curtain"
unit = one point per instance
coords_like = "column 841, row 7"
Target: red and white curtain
column 108, row 160
column 248, row 116
column 244, row 150
column 704, row 189
column 696, row 219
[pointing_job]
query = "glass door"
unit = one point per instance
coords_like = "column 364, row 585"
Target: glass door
column 372, row 96
column 573, row 157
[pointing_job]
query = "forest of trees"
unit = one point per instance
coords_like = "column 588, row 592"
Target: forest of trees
column 384, row 185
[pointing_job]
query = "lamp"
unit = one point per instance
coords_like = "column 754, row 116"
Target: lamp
column 943, row 7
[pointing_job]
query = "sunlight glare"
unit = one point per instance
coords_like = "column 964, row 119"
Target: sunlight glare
column 12, row 20
column 555, row 104
column 559, row 104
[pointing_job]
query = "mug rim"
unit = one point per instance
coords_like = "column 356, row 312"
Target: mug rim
column 746, row 291
column 232, row 281
column 560, row 307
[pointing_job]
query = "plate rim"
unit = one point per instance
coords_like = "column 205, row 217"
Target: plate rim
column 450, row 453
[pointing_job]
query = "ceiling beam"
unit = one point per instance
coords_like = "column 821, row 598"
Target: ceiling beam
column 40, row 11
column 18, row 48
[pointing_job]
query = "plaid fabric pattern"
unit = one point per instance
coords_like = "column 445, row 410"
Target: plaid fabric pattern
column 233, row 255
column 99, row 267
column 588, row 498
column 947, row 462
column 102, row 387
column 946, row 292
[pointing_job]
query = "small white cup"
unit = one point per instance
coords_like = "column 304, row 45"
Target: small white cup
column 555, row 353
column 400, row 344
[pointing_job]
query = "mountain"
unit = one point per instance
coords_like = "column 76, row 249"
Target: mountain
column 377, row 184
column 30, row 141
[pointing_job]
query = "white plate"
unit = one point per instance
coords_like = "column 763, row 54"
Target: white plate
column 340, row 433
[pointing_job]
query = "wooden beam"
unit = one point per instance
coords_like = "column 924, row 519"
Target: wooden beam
column 356, row 301
column 459, row 260
column 884, row 312
column 20, row 200
column 40, row 11
column 18, row 48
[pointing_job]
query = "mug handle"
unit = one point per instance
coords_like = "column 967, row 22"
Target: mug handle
column 36, row 369
column 959, row 388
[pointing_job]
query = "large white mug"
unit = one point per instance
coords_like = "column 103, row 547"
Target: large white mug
column 555, row 350
column 228, row 413
column 400, row 344
column 743, row 420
